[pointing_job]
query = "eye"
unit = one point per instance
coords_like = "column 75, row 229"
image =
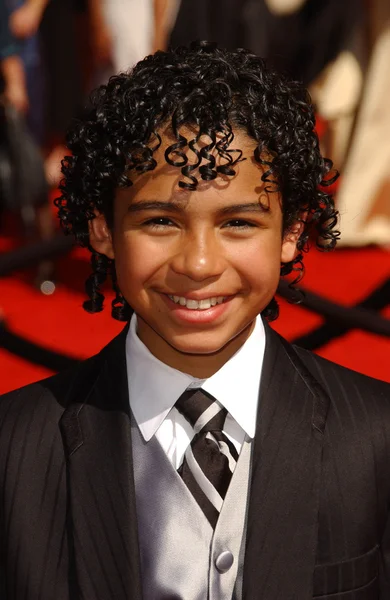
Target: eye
column 239, row 224
column 159, row 223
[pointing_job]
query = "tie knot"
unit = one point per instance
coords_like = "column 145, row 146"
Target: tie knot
column 201, row 410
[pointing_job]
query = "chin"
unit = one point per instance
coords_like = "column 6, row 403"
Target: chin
column 197, row 346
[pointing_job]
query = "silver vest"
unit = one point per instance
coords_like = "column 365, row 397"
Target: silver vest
column 181, row 557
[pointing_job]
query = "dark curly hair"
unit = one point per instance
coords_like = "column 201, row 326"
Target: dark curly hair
column 214, row 91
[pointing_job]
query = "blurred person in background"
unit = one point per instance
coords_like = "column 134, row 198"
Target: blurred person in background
column 364, row 192
column 47, row 91
column 341, row 51
column 11, row 66
column 24, row 19
column 63, row 79
column 24, row 189
column 12, row 76
column 49, row 45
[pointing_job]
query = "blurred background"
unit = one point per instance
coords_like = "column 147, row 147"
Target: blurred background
column 53, row 52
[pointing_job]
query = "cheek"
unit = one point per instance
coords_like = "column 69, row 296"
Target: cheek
column 259, row 262
column 136, row 260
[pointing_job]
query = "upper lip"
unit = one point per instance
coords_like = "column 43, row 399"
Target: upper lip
column 198, row 297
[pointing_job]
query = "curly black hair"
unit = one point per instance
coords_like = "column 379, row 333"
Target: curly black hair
column 214, row 91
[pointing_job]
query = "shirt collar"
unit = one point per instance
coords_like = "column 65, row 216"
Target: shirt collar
column 152, row 397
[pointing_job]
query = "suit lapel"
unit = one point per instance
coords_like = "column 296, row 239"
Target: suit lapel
column 282, row 526
column 97, row 439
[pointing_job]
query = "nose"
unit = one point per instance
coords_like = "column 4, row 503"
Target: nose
column 199, row 258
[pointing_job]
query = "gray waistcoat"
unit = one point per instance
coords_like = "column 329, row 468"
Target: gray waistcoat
column 181, row 557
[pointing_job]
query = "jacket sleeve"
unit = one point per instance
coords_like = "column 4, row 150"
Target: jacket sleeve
column 384, row 566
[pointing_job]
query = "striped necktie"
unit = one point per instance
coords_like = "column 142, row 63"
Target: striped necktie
column 211, row 457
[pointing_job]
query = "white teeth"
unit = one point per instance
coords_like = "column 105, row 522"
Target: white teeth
column 203, row 304
column 190, row 303
column 197, row 304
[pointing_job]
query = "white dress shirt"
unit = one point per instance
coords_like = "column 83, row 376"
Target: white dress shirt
column 154, row 388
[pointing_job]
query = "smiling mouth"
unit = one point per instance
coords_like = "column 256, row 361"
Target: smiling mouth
column 203, row 304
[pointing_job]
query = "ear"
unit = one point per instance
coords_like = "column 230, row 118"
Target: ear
column 100, row 236
column 290, row 240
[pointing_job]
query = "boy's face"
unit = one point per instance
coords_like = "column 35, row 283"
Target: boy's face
column 197, row 267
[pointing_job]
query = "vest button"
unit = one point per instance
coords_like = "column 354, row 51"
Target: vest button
column 224, row 561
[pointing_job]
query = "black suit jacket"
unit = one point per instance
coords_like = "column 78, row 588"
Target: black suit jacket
column 318, row 521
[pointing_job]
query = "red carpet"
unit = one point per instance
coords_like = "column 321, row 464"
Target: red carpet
column 58, row 322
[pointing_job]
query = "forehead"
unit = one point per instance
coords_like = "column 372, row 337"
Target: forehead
column 163, row 181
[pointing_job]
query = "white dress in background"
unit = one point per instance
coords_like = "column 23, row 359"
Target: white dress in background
column 131, row 26
column 364, row 194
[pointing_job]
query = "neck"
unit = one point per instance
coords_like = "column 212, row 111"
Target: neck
column 200, row 366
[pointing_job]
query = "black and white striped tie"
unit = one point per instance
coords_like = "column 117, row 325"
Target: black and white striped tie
column 211, row 457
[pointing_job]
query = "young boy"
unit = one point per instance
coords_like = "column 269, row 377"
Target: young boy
column 199, row 455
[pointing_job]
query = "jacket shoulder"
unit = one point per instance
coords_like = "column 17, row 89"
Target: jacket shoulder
column 46, row 400
column 48, row 396
column 338, row 380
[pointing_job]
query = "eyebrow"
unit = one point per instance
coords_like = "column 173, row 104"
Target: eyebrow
column 247, row 207
column 154, row 205
column 174, row 207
